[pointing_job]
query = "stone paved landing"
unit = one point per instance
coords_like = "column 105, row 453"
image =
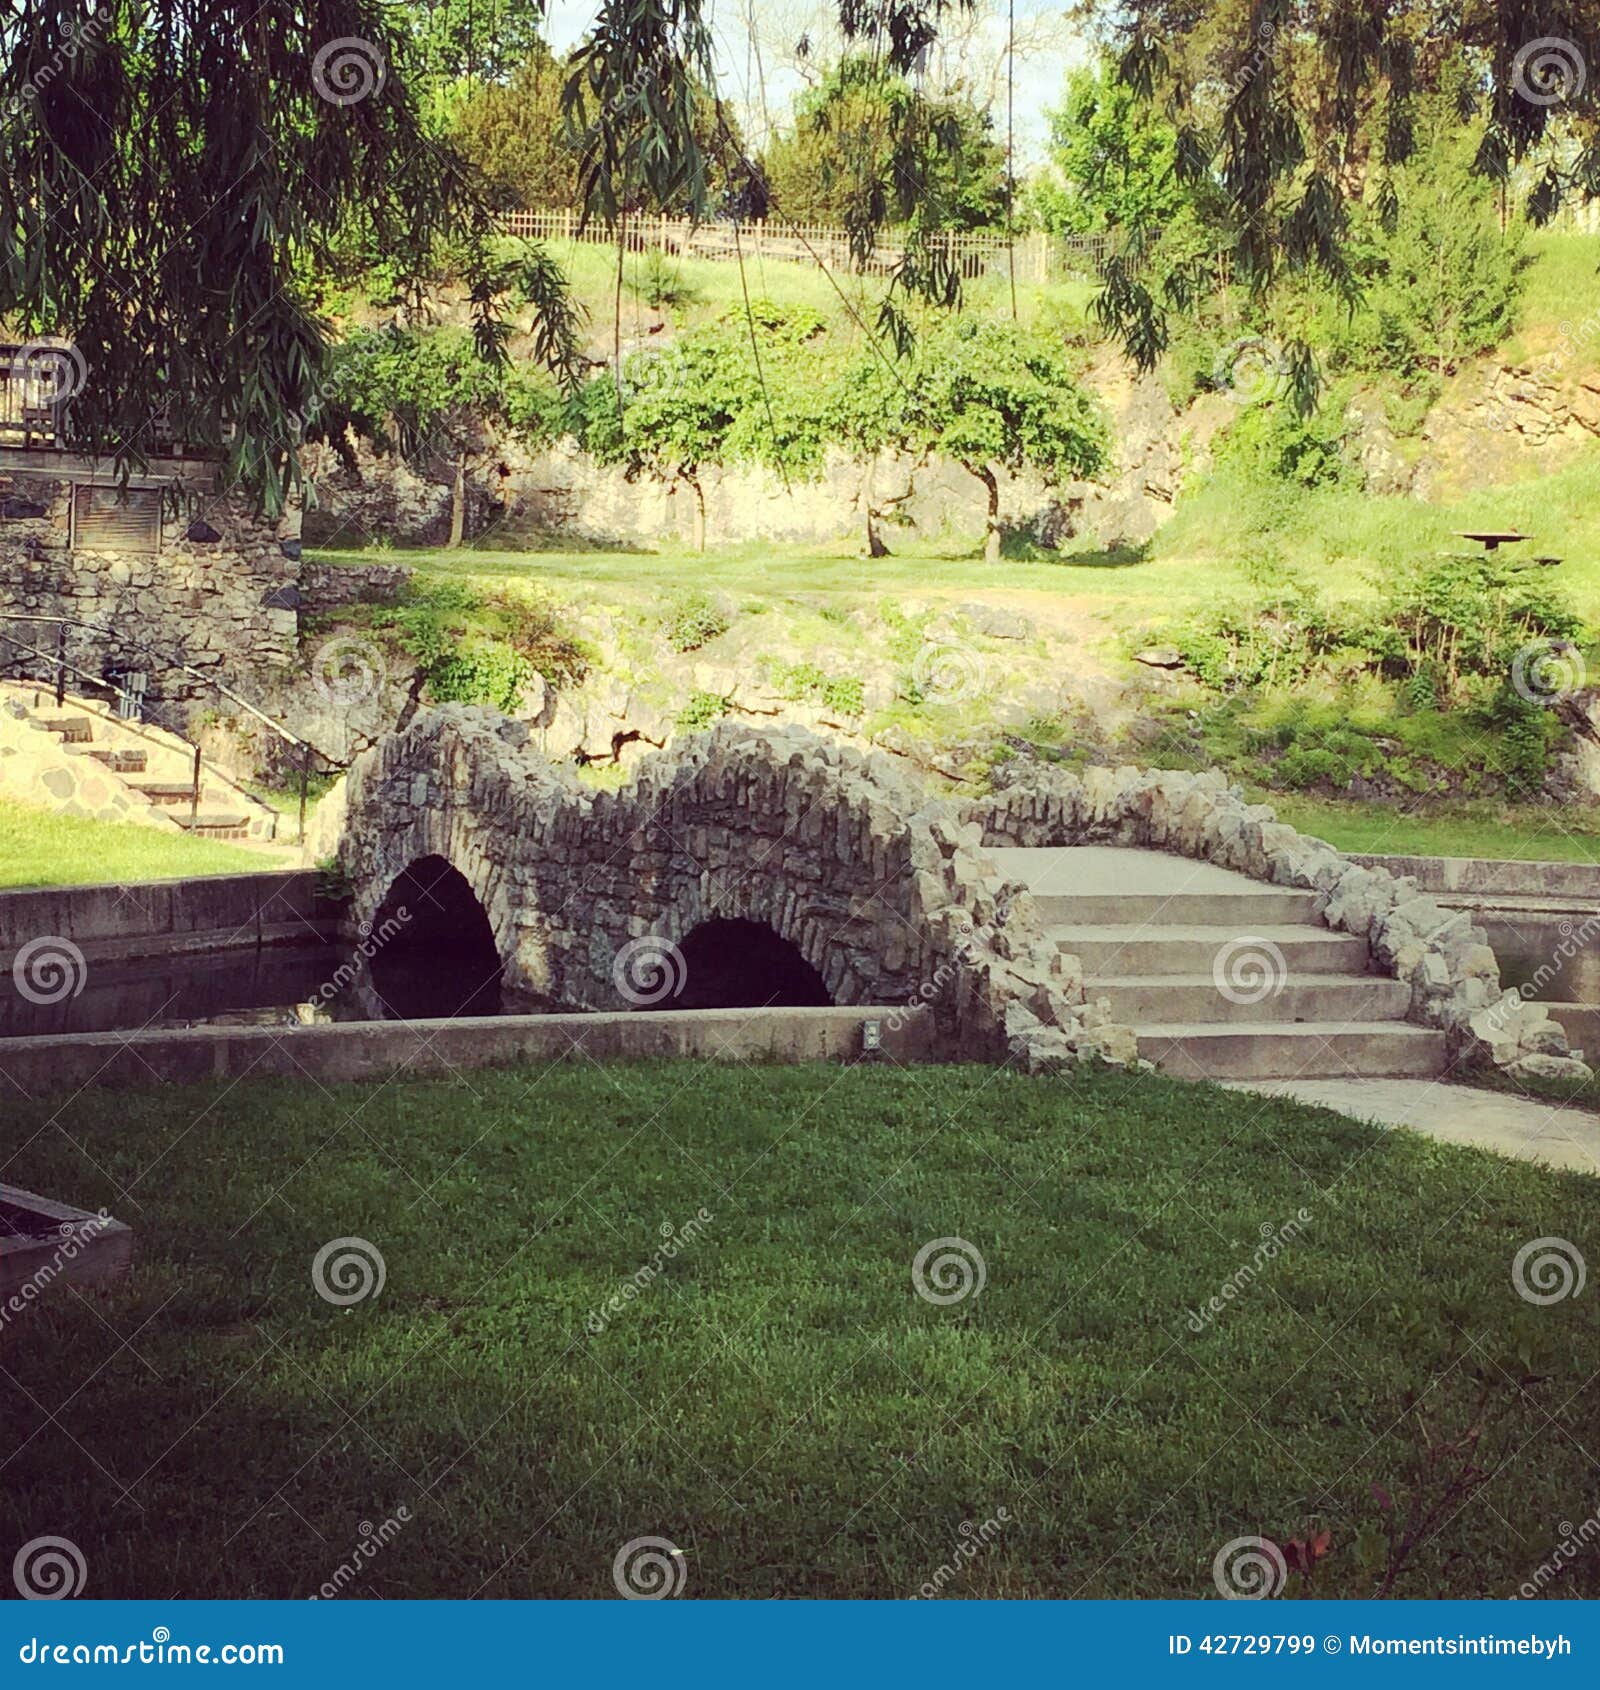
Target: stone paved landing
column 1088, row 870
column 1555, row 1134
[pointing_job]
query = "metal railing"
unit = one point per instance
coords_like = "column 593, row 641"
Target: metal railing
column 134, row 704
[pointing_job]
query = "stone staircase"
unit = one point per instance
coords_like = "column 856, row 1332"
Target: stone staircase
column 1220, row 976
column 153, row 767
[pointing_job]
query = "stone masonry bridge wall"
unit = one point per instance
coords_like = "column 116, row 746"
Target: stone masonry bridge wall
column 890, row 895
column 882, row 890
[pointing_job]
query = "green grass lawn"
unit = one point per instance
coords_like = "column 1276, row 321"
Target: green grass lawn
column 1538, row 833
column 777, row 1400
column 40, row 848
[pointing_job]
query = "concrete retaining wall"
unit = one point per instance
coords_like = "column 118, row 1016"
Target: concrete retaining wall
column 363, row 1050
column 161, row 917
column 1484, row 878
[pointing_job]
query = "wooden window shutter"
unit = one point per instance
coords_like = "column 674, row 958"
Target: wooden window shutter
column 111, row 519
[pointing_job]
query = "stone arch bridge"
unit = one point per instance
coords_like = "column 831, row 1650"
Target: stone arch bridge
column 985, row 914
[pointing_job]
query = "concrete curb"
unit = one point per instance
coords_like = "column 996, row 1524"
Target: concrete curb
column 365, row 1050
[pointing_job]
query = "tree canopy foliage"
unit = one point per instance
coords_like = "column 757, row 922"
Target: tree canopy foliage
column 838, row 161
column 1302, row 110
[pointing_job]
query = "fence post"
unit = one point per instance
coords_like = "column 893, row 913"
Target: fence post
column 61, row 664
column 194, row 794
column 305, row 781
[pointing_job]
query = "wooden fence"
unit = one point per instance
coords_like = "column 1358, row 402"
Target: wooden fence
column 1038, row 257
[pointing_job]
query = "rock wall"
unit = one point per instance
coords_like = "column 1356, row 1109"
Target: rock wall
column 221, row 593
column 519, row 494
column 333, row 586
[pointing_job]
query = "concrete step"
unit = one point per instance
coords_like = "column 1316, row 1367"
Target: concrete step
column 164, row 791
column 1239, row 911
column 1195, row 998
column 214, row 824
column 122, row 762
column 1271, row 1050
column 1160, row 952
column 71, row 730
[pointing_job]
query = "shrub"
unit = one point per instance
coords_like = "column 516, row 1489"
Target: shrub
column 693, row 622
column 701, row 710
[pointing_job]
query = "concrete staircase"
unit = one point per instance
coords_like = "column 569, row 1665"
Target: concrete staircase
column 1220, row 976
column 156, row 768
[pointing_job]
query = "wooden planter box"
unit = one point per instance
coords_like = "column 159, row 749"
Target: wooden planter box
column 43, row 1242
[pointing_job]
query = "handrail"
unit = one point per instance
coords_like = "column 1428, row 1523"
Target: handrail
column 61, row 663
column 136, row 728
column 176, row 663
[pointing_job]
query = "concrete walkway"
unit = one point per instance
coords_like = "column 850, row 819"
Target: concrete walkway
column 1553, row 1134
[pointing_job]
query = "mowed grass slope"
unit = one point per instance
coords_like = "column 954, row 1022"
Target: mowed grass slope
column 777, row 1400
column 41, row 848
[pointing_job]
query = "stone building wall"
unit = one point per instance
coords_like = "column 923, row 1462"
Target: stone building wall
column 221, row 593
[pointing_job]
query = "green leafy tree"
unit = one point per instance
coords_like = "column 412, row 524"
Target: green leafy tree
column 514, row 134
column 669, row 417
column 1114, row 159
column 743, row 390
column 430, row 396
column 173, row 178
column 868, row 409
column 484, row 40
column 998, row 398
column 866, row 145
column 1301, row 110
column 1443, row 282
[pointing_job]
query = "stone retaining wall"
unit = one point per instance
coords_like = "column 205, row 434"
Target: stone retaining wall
column 332, row 586
column 221, row 593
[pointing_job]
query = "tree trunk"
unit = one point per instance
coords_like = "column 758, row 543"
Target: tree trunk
column 875, row 545
column 458, row 502
column 699, row 513
column 991, row 538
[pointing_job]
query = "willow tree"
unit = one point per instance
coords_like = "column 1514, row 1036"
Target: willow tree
column 1297, row 109
column 173, row 175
